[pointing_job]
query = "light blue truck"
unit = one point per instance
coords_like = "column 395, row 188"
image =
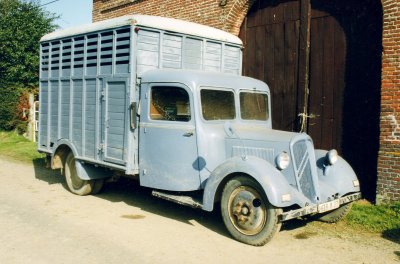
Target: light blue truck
column 163, row 101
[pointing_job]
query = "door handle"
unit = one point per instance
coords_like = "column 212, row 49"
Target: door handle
column 188, row 134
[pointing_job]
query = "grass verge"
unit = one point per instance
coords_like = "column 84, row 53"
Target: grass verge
column 16, row 147
column 384, row 219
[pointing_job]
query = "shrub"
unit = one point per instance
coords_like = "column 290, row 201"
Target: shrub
column 9, row 96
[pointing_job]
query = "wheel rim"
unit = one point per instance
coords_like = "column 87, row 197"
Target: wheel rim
column 76, row 182
column 247, row 210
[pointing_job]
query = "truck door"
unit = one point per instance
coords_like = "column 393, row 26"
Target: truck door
column 168, row 149
column 115, row 92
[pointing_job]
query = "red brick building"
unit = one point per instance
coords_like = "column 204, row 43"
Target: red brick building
column 336, row 62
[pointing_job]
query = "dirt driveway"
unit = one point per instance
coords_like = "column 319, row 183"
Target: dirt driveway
column 41, row 222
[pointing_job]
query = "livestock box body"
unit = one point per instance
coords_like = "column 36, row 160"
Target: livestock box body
column 90, row 75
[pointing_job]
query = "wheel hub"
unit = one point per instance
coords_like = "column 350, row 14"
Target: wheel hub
column 247, row 212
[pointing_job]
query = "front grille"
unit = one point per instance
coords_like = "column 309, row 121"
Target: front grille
column 303, row 169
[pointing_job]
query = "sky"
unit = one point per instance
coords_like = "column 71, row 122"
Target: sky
column 71, row 12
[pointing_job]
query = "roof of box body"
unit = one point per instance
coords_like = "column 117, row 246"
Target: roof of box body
column 168, row 24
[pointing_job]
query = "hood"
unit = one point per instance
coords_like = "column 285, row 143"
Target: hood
column 258, row 133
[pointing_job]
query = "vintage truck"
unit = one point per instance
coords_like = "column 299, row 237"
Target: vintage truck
column 163, row 101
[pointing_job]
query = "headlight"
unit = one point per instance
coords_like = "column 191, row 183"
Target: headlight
column 283, row 160
column 332, row 156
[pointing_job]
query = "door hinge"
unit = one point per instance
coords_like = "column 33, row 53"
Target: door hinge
column 102, row 94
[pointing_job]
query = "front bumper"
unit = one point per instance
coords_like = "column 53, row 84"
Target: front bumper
column 320, row 208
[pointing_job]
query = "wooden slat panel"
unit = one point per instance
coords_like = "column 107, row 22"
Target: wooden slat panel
column 290, row 72
column 327, row 116
column 278, row 94
column 259, row 53
column 249, row 55
column 316, row 81
column 339, row 83
column 269, row 67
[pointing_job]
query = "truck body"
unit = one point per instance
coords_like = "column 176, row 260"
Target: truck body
column 163, row 100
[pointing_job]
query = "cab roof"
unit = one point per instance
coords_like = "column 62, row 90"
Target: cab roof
column 157, row 22
column 203, row 78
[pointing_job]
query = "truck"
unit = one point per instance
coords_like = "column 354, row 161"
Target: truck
column 163, row 101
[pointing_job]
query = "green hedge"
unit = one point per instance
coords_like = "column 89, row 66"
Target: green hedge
column 9, row 98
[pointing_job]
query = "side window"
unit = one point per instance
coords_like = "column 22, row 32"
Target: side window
column 217, row 104
column 169, row 103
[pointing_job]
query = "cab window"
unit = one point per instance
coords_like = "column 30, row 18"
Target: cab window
column 254, row 106
column 217, row 104
column 169, row 104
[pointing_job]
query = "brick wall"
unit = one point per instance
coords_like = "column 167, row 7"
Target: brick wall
column 223, row 14
column 229, row 14
column 388, row 186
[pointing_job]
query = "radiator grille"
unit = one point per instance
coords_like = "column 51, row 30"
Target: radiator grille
column 303, row 171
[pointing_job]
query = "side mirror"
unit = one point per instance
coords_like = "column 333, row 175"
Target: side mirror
column 133, row 115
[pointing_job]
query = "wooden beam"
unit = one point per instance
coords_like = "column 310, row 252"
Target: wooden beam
column 304, row 64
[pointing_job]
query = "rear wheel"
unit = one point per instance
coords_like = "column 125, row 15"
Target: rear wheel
column 247, row 213
column 75, row 184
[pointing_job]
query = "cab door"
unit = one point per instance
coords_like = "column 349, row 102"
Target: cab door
column 168, row 154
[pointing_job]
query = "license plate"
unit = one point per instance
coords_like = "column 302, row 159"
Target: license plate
column 328, row 206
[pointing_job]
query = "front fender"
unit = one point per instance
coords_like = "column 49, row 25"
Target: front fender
column 271, row 180
column 338, row 179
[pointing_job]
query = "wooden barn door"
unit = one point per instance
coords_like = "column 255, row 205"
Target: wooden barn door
column 275, row 51
column 326, row 86
column 322, row 61
column 271, row 38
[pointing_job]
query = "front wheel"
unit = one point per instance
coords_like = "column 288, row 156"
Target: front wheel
column 337, row 214
column 247, row 213
column 75, row 184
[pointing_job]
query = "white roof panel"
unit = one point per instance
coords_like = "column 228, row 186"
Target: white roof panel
column 163, row 23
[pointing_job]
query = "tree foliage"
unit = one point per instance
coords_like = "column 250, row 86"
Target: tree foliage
column 22, row 24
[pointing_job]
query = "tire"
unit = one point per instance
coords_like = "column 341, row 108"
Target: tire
column 247, row 213
column 337, row 214
column 75, row 184
column 98, row 186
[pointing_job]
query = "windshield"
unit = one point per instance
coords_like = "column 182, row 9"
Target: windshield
column 220, row 105
column 254, row 106
column 217, row 104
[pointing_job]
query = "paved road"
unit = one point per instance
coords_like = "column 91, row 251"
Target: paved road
column 41, row 222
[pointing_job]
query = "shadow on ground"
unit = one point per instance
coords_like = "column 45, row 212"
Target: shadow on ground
column 392, row 235
column 130, row 192
column 397, row 253
column 47, row 175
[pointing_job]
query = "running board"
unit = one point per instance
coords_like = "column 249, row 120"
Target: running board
column 179, row 199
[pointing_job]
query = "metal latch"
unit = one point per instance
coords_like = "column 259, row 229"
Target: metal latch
column 100, row 148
